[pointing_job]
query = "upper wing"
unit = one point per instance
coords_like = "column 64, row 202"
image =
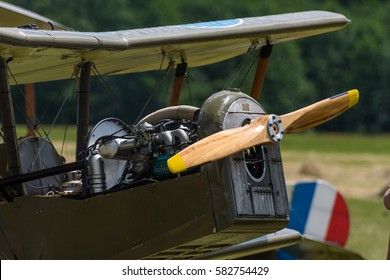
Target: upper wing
column 13, row 16
column 42, row 55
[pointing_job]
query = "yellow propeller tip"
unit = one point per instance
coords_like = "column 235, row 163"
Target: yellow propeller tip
column 353, row 97
column 176, row 164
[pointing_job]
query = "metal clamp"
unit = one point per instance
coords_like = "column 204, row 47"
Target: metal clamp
column 275, row 128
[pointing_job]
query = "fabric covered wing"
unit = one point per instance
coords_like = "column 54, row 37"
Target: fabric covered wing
column 266, row 243
column 310, row 248
column 42, row 55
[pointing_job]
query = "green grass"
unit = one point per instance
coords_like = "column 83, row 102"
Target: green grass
column 370, row 228
column 337, row 142
column 369, row 220
column 55, row 133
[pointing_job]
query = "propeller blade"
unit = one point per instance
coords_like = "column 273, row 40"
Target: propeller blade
column 264, row 129
column 219, row 145
column 320, row 112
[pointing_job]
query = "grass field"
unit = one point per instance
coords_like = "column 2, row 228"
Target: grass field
column 358, row 165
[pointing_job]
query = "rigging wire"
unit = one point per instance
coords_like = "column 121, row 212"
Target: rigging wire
column 241, row 65
column 68, row 121
column 158, row 80
column 187, row 81
column 47, row 134
column 63, row 139
column 166, row 90
column 38, row 120
column 73, row 97
column 37, row 156
column 119, row 105
column 39, row 123
column 246, row 73
column 26, row 121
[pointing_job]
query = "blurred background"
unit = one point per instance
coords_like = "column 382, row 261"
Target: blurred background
column 351, row 151
column 300, row 72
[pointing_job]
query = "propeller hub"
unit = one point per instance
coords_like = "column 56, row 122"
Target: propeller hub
column 275, row 128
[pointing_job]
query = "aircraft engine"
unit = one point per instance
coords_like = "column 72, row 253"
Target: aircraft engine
column 252, row 180
column 120, row 155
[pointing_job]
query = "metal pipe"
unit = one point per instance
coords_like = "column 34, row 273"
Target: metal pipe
column 117, row 147
column 9, row 130
column 12, row 180
column 83, row 109
column 173, row 112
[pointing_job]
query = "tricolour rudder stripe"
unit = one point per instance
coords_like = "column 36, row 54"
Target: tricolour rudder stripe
column 300, row 205
column 338, row 228
column 319, row 210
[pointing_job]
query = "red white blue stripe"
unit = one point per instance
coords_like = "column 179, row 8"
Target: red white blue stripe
column 318, row 210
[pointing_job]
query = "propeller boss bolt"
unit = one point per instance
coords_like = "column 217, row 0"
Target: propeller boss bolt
column 275, row 128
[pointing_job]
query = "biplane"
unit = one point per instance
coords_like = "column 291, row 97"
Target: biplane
column 182, row 183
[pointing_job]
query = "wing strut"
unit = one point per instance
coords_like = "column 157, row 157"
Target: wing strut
column 9, row 130
column 29, row 90
column 83, row 108
column 177, row 84
column 258, row 80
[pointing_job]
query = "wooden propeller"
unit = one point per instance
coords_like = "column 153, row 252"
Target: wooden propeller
column 264, row 129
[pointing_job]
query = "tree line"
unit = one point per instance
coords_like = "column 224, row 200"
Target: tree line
column 299, row 73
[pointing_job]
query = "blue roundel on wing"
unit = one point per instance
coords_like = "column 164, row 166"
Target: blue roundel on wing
column 215, row 24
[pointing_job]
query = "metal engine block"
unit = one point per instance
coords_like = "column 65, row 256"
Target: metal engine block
column 251, row 182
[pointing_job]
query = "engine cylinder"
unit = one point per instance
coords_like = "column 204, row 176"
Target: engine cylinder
column 117, row 148
column 97, row 177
